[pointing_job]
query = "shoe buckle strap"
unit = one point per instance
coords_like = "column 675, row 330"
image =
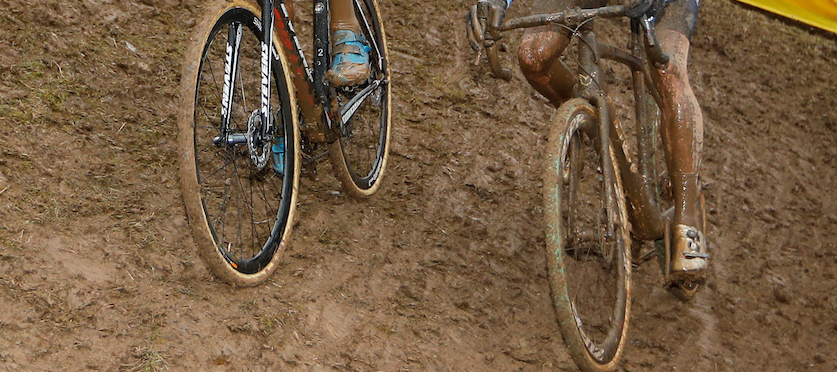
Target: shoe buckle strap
column 346, row 36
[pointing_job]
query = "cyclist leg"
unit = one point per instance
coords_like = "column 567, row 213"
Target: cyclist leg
column 350, row 63
column 541, row 48
column 540, row 61
column 683, row 136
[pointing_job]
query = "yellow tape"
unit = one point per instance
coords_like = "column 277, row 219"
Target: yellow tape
column 817, row 13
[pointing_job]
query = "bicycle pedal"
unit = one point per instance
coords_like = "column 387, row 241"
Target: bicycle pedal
column 684, row 291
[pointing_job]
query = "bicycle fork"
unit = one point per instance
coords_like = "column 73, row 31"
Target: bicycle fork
column 589, row 88
column 230, row 68
column 260, row 124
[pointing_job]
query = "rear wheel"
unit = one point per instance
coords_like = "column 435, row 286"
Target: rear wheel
column 588, row 243
column 359, row 156
column 239, row 178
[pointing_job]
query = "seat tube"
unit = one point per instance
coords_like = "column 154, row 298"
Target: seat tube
column 321, row 48
column 647, row 217
column 316, row 123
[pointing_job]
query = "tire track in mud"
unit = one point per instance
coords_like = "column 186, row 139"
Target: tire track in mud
column 667, row 333
column 703, row 350
column 707, row 340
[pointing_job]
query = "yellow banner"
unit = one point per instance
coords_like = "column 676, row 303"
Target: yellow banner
column 817, row 13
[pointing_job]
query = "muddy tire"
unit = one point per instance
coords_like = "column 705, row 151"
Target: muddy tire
column 589, row 263
column 240, row 212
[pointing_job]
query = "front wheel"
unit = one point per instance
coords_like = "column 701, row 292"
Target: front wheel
column 359, row 156
column 588, row 243
column 239, row 175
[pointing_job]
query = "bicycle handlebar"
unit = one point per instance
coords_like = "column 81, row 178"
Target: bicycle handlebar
column 571, row 16
column 488, row 18
column 494, row 62
column 576, row 16
column 655, row 52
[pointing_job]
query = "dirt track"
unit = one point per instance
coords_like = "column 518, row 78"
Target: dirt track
column 443, row 269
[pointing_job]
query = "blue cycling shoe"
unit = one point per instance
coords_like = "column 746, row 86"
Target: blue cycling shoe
column 350, row 65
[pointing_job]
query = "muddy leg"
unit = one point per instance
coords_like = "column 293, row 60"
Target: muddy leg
column 682, row 132
column 540, row 60
column 343, row 16
column 682, row 127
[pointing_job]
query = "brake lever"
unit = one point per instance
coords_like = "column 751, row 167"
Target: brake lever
column 655, row 51
column 486, row 12
column 475, row 31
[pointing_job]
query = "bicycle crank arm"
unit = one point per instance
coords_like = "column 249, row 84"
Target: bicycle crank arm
column 352, row 106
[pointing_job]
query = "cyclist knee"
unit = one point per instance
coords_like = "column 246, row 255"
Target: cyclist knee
column 676, row 45
column 538, row 49
column 531, row 62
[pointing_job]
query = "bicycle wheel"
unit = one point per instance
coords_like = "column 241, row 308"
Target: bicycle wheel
column 588, row 262
column 359, row 157
column 239, row 185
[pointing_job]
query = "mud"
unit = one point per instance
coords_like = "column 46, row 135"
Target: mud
column 444, row 269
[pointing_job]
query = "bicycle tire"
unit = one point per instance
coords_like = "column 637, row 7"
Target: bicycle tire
column 241, row 215
column 589, row 271
column 359, row 157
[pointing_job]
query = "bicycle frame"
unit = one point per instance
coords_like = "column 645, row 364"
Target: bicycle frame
column 647, row 218
column 590, row 268
column 310, row 87
column 321, row 119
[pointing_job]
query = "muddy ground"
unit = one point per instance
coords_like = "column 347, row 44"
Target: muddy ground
column 444, row 269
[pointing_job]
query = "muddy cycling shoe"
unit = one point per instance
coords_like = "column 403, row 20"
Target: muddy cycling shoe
column 350, row 65
column 689, row 261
